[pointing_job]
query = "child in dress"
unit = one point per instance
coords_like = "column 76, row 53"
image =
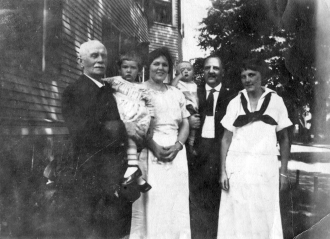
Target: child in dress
column 136, row 111
column 184, row 82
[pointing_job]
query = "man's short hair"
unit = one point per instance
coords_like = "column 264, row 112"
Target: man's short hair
column 84, row 46
column 212, row 56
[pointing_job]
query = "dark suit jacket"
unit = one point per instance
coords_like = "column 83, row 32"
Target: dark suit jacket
column 225, row 95
column 88, row 111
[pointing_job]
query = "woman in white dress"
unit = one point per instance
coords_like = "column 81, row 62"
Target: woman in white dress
column 250, row 178
column 163, row 212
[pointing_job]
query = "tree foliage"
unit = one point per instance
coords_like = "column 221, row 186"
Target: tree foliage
column 238, row 29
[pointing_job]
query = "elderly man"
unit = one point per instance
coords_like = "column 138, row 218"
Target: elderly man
column 99, row 140
column 204, row 169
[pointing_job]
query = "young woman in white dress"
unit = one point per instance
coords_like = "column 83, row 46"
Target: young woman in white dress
column 163, row 212
column 250, row 178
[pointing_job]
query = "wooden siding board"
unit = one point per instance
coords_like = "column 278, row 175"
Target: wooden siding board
column 29, row 99
column 19, row 96
column 26, row 77
column 74, row 39
column 168, row 40
column 29, row 114
column 136, row 25
column 48, row 83
column 121, row 23
column 15, row 104
column 28, row 122
column 97, row 17
column 71, row 67
column 69, row 74
column 71, row 41
column 29, row 90
column 94, row 7
column 161, row 35
column 75, row 26
column 33, row 130
column 81, row 9
column 7, row 85
column 11, row 80
column 69, row 52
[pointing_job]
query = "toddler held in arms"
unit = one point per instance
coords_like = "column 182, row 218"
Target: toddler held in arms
column 184, row 82
column 136, row 111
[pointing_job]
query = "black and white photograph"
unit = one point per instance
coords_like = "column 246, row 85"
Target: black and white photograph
column 164, row 119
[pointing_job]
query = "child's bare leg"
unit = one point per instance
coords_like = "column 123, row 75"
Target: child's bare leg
column 133, row 166
column 132, row 158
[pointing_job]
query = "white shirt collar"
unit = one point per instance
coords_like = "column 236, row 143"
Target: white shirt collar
column 99, row 84
column 217, row 88
column 186, row 83
column 267, row 90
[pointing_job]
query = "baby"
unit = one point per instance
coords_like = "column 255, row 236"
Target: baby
column 135, row 109
column 184, row 82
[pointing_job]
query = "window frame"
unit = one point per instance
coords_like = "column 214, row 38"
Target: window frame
column 169, row 7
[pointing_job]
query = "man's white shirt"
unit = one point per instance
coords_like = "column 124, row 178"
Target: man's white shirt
column 208, row 130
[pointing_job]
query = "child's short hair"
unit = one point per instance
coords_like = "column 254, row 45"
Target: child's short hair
column 177, row 69
column 130, row 56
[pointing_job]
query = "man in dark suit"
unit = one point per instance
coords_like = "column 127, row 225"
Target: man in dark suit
column 204, row 169
column 99, row 139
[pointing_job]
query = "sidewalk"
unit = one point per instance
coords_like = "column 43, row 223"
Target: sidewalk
column 312, row 144
column 320, row 230
column 306, row 206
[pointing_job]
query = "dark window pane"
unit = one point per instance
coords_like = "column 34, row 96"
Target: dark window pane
column 163, row 12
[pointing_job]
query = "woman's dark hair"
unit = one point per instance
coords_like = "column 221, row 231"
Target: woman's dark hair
column 256, row 64
column 162, row 51
column 130, row 56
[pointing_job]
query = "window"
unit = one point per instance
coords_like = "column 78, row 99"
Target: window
column 116, row 42
column 163, row 11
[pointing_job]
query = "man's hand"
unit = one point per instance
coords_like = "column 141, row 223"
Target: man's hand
column 194, row 121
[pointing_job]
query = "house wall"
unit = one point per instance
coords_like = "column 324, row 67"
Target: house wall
column 167, row 35
column 38, row 61
column 30, row 95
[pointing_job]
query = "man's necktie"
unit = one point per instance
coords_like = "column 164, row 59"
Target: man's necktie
column 209, row 103
column 254, row 116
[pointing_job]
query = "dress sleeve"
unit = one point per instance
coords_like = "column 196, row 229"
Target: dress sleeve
column 182, row 101
column 231, row 114
column 283, row 119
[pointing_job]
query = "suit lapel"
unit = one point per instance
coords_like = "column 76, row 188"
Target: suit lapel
column 222, row 96
column 89, row 87
column 201, row 93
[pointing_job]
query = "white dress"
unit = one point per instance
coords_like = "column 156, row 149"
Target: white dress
column 163, row 212
column 250, row 209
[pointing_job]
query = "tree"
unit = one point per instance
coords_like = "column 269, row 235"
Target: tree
column 236, row 29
